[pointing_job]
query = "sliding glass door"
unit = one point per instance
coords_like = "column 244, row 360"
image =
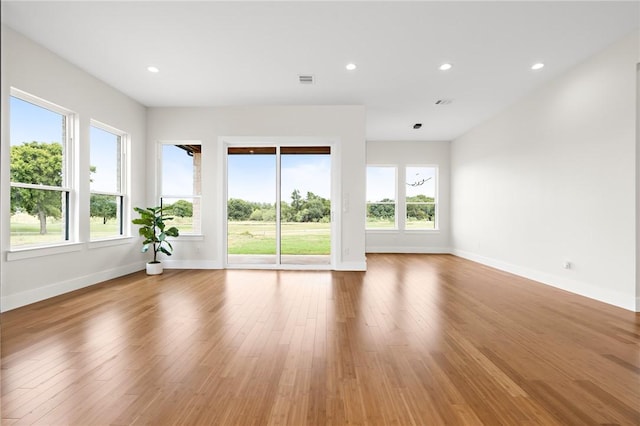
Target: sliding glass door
column 278, row 206
column 305, row 212
column 251, row 205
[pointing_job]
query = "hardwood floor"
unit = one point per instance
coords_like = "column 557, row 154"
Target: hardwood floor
column 417, row 339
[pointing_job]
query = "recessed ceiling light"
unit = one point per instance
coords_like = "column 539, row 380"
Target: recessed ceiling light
column 537, row 66
column 153, row 69
column 351, row 67
column 445, row 67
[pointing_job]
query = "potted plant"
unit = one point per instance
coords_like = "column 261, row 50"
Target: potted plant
column 152, row 228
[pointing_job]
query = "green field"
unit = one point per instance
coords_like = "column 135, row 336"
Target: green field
column 246, row 237
column 25, row 230
column 256, row 237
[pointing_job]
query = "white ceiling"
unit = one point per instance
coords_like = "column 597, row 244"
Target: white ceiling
column 250, row 53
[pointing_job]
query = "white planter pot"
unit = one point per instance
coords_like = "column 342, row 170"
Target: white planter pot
column 154, row 268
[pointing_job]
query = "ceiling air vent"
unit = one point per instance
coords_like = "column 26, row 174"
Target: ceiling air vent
column 305, row 79
column 443, row 101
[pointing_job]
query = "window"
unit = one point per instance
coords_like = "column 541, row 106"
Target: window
column 420, row 200
column 40, row 171
column 181, row 185
column 402, row 199
column 381, row 197
column 107, row 179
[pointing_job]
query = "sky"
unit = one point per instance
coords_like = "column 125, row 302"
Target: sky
column 104, row 157
column 418, row 174
column 24, row 114
column 30, row 122
column 177, row 171
column 253, row 177
column 381, row 182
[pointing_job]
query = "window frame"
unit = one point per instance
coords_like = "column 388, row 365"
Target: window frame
column 435, row 203
column 122, row 212
column 69, row 170
column 396, row 225
column 197, row 227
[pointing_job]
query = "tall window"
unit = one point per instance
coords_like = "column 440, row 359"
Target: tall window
column 107, row 181
column 420, row 200
column 40, row 140
column 381, row 197
column 181, row 185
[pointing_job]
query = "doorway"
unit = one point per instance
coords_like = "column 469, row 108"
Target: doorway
column 278, row 206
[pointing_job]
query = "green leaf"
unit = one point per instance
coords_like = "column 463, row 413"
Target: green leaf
column 152, row 228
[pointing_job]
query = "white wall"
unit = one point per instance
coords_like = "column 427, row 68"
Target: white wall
column 210, row 126
column 403, row 154
column 638, row 186
column 552, row 179
column 33, row 69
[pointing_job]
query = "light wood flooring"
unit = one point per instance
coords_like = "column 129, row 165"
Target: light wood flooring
column 417, row 339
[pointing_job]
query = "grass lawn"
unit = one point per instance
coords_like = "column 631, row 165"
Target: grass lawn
column 247, row 237
column 251, row 237
column 25, row 230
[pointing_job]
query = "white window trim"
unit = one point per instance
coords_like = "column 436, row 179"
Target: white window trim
column 69, row 167
column 396, row 226
column 124, row 181
column 43, row 250
column 401, row 201
column 193, row 236
column 113, row 241
column 436, row 202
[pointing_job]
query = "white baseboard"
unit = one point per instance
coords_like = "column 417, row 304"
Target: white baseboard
column 210, row 264
column 581, row 288
column 28, row 297
column 417, row 250
column 352, row 266
column 191, row 264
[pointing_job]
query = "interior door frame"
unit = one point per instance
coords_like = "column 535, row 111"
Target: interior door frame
column 226, row 142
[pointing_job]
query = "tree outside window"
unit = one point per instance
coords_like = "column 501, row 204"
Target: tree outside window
column 181, row 185
column 420, row 197
column 106, row 204
column 39, row 137
column 381, row 197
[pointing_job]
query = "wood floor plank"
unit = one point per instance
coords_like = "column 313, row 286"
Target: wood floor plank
column 415, row 340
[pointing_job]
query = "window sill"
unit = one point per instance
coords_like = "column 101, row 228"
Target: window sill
column 110, row 242
column 402, row 231
column 31, row 252
column 188, row 237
